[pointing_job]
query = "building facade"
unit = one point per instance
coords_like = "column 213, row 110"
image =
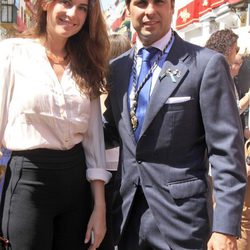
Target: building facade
column 196, row 20
column 15, row 16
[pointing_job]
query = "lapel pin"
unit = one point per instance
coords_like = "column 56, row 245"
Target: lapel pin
column 177, row 73
column 171, row 74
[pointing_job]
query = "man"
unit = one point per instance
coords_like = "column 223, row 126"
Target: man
column 161, row 189
column 236, row 65
column 225, row 42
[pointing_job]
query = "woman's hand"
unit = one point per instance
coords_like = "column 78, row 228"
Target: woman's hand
column 96, row 228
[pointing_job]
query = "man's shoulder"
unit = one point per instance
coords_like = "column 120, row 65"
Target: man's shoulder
column 122, row 59
column 123, row 56
column 197, row 52
column 198, row 48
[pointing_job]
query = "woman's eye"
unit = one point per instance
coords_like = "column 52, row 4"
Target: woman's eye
column 83, row 8
column 65, row 2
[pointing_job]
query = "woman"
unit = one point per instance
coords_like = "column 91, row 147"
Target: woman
column 50, row 118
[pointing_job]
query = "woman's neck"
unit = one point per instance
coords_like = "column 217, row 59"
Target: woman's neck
column 55, row 50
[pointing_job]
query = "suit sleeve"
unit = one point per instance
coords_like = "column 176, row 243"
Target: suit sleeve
column 225, row 145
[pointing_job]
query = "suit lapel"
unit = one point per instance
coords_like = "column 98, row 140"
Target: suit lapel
column 166, row 84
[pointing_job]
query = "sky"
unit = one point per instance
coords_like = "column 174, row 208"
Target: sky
column 106, row 3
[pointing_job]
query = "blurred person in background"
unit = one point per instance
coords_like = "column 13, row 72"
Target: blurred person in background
column 50, row 118
column 118, row 45
column 225, row 42
column 244, row 241
column 243, row 99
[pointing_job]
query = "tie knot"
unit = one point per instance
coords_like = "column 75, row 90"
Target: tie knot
column 148, row 53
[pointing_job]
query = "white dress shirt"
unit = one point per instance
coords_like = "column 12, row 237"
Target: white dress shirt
column 39, row 111
column 160, row 44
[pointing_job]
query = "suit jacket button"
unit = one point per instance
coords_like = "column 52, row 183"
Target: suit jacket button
column 139, row 161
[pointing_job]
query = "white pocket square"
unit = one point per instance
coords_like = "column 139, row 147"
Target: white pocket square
column 172, row 100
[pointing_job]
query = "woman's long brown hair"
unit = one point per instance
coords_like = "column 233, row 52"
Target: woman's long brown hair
column 88, row 49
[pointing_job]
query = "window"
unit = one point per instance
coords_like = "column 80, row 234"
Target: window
column 8, row 11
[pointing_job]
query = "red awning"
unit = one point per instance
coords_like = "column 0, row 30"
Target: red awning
column 187, row 15
column 191, row 12
column 204, row 7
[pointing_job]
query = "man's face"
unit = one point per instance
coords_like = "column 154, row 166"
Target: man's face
column 151, row 18
column 232, row 54
column 235, row 67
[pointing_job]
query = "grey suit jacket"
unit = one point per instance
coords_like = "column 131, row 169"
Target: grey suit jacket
column 178, row 137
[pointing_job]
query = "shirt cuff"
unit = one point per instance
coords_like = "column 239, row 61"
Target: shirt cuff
column 98, row 174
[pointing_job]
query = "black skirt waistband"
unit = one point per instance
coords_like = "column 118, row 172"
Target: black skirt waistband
column 45, row 154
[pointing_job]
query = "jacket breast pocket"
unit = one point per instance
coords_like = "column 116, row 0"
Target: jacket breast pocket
column 187, row 188
column 178, row 105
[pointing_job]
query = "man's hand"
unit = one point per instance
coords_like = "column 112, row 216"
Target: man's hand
column 219, row 241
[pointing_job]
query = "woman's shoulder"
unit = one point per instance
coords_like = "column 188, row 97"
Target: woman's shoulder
column 11, row 46
column 11, row 43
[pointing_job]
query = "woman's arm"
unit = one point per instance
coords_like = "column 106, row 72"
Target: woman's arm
column 97, row 174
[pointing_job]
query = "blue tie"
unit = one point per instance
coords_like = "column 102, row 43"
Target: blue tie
column 147, row 55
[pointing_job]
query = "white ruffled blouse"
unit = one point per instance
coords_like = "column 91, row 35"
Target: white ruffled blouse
column 39, row 111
